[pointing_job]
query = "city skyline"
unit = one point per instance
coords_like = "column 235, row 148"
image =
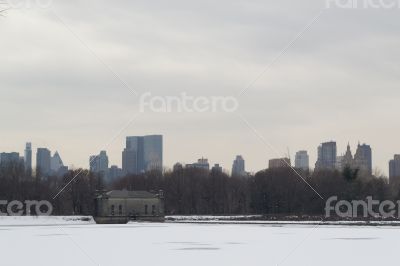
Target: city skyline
column 102, row 163
column 201, row 132
column 315, row 91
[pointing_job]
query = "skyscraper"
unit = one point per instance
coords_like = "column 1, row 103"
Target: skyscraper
column 142, row 154
column 8, row 158
column 238, row 167
column 129, row 162
column 302, row 160
column 99, row 163
column 326, row 156
column 363, row 159
column 57, row 166
column 114, row 172
column 43, row 162
column 153, row 152
column 28, row 158
column 216, row 168
column 394, row 169
column 345, row 160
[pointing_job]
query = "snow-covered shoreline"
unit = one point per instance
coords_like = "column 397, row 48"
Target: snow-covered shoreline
column 45, row 220
column 258, row 219
column 6, row 221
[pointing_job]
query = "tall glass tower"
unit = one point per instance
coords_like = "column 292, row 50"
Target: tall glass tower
column 142, row 154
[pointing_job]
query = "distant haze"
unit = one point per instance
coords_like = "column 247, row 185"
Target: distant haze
column 339, row 81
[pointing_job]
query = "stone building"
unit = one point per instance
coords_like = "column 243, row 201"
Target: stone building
column 121, row 206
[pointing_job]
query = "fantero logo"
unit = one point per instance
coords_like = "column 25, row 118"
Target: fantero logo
column 187, row 103
column 363, row 4
column 26, row 4
column 26, row 208
column 361, row 208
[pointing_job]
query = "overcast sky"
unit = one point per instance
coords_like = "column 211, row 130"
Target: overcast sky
column 68, row 73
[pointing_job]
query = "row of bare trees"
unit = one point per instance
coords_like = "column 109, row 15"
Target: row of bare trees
column 195, row 191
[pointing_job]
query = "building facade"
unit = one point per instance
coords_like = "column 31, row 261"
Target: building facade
column 9, row 158
column 216, row 168
column 114, row 172
column 302, row 160
column 28, row 158
column 201, row 164
column 121, row 206
column 363, row 159
column 279, row 163
column 57, row 165
column 238, row 167
column 345, row 160
column 142, row 154
column 43, row 162
column 394, row 169
column 99, row 163
column 326, row 156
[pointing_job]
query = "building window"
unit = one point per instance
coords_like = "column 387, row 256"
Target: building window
column 120, row 209
column 146, row 209
column 153, row 209
column 112, row 210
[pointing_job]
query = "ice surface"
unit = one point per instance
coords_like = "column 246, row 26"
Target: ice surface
column 197, row 244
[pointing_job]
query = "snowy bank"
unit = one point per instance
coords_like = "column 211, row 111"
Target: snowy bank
column 45, row 220
column 257, row 219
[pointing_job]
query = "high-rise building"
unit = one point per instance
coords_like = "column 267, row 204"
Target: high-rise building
column 56, row 162
column 153, row 152
column 216, row 168
column 28, row 158
column 201, row 164
column 114, row 172
column 43, row 162
column 238, row 167
column 394, row 169
column 133, row 155
column 8, row 158
column 326, row 156
column 279, row 163
column 363, row 159
column 129, row 162
column 345, row 160
column 302, row 160
column 339, row 162
column 57, row 166
column 142, row 154
column 99, row 163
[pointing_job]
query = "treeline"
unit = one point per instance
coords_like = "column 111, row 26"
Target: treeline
column 198, row 192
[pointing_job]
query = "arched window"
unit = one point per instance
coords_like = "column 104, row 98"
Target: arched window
column 153, row 209
column 146, row 211
column 112, row 210
column 120, row 209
